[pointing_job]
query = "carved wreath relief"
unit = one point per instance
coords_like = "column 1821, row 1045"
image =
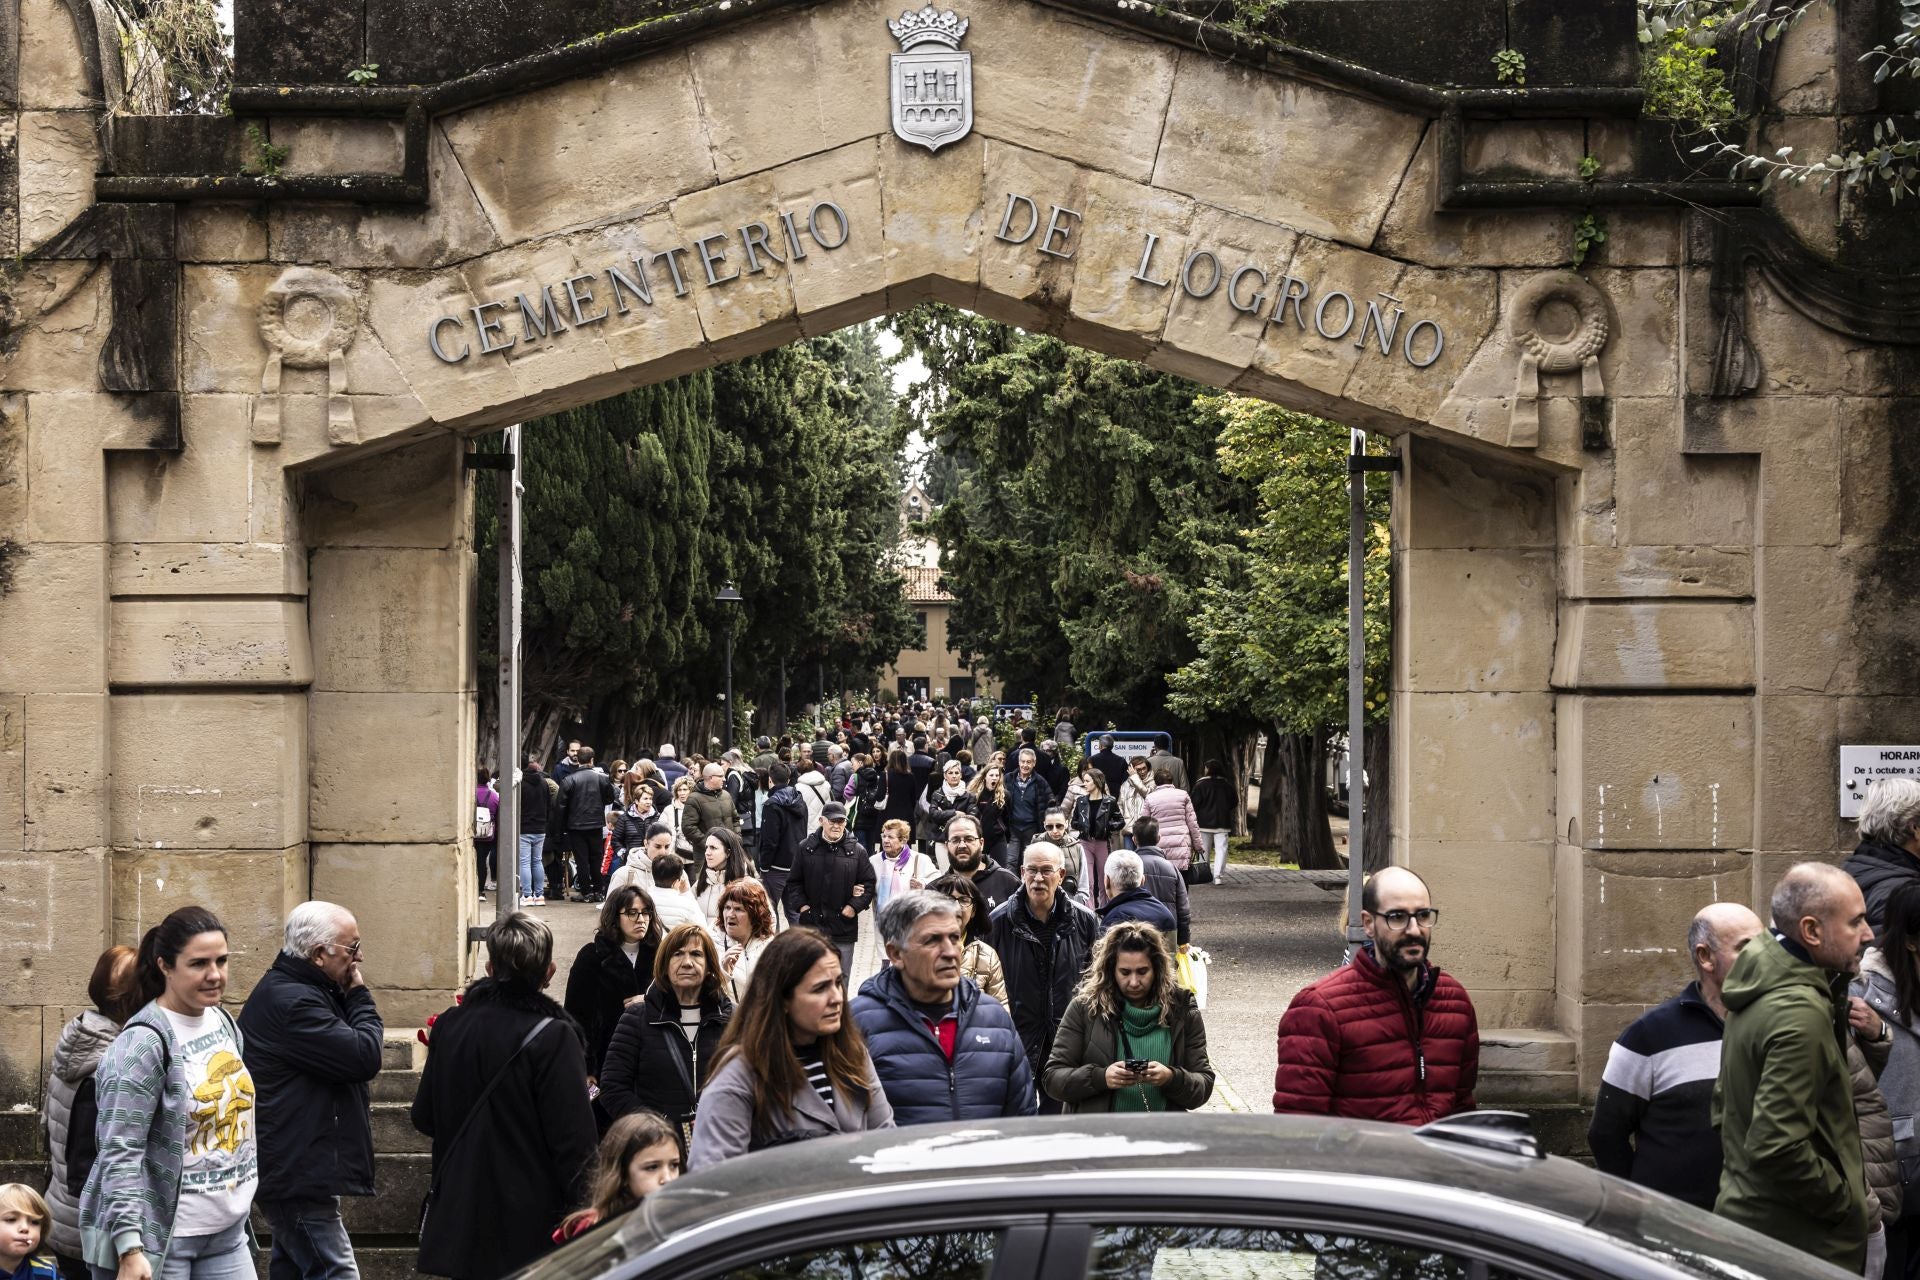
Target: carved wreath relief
column 933, row 87
column 1559, row 323
column 308, row 318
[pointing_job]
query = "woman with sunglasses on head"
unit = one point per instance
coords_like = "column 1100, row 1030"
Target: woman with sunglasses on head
column 613, row 969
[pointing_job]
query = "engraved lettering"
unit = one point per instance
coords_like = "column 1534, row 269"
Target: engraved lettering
column 433, row 340
column 1439, row 343
column 1251, row 307
column 1213, row 276
column 709, row 259
column 543, row 319
column 1288, row 294
column 484, row 327
column 1320, row 315
column 839, row 216
column 756, row 233
column 635, row 284
column 575, row 301
column 673, row 268
column 1146, row 264
column 795, row 250
column 1006, row 221
column 1383, row 330
column 1047, row 244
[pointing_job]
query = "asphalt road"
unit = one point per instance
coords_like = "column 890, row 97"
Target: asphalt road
column 1268, row 932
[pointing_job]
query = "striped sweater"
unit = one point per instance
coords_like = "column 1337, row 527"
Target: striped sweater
column 134, row 1190
column 1653, row 1123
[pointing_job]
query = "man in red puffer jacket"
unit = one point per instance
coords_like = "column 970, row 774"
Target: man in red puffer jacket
column 1387, row 1036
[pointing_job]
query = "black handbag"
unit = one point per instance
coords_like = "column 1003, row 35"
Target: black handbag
column 433, row 1187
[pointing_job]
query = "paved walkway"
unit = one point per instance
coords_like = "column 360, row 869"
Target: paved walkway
column 1268, row 932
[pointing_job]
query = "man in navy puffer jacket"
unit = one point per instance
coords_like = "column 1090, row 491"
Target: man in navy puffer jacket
column 944, row 1049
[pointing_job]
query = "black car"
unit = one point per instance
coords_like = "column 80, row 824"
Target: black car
column 1170, row 1197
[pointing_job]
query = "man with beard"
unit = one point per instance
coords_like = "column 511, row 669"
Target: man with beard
column 968, row 854
column 1386, row 1036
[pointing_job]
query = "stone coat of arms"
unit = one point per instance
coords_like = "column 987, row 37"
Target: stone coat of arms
column 932, row 78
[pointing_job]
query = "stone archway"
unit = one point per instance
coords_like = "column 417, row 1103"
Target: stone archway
column 239, row 632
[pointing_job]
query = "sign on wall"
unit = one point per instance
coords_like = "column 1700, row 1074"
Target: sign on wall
column 1860, row 767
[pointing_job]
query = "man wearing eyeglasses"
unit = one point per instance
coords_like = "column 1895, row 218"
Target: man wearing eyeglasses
column 1386, row 1036
column 1044, row 940
column 313, row 1045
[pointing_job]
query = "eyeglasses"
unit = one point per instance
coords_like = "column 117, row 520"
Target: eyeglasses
column 1055, row 826
column 963, row 840
column 352, row 949
column 1043, row 873
column 1398, row 920
column 635, row 915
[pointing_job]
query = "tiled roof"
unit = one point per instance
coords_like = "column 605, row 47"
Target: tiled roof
column 923, row 585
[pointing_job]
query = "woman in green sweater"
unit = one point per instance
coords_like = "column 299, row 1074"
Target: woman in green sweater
column 1131, row 1040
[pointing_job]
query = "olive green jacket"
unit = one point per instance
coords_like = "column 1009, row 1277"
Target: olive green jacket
column 1784, row 1107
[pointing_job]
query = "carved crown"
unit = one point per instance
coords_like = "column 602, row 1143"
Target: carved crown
column 928, row 26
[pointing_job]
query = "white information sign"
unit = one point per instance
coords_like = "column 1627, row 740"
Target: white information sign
column 1861, row 766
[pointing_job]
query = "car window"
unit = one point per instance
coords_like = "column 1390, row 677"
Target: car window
column 952, row 1255
column 1253, row 1253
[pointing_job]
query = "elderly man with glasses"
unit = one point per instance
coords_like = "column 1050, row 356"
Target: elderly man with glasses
column 313, row 1046
column 1387, row 1036
column 1044, row 939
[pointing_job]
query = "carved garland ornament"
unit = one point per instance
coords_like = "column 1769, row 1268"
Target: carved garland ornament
column 309, row 318
column 1563, row 352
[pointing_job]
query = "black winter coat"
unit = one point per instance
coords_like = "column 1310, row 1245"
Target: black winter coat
column 1042, row 964
column 1879, row 869
column 526, row 1161
column 535, row 801
column 1213, row 803
column 650, row 1065
column 826, row 878
column 630, row 828
column 1096, row 819
column 941, row 810
column 903, row 795
column 1164, row 882
column 994, row 831
column 783, row 825
column 312, row 1048
column 995, row 883
column 584, row 798
column 598, row 986
column 1115, row 769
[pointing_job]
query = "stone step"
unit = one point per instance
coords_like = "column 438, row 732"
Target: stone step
column 400, row 1182
column 393, row 1131
column 401, row 1050
column 1560, row 1127
column 1508, row 1090
column 395, row 1086
column 21, row 1136
column 1525, row 1049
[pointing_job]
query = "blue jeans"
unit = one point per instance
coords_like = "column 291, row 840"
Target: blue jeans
column 533, row 871
column 309, row 1240
column 224, row 1255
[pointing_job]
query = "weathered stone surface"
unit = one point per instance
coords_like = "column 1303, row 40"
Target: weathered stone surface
column 185, row 642
column 410, row 497
column 58, row 156
column 357, row 796
column 1548, row 149
column 758, row 113
column 936, row 218
column 1638, row 907
column 1449, row 498
column 339, row 146
column 1667, row 498
column 1655, row 645
column 221, row 233
column 1019, row 285
column 51, row 923
column 1112, row 310
column 66, row 789
column 838, row 287
column 1501, row 238
column 1211, row 338
column 1464, row 304
column 1474, row 766
column 411, row 903
column 1295, row 347
column 60, row 350
column 198, row 495
column 453, row 227
column 254, row 889
column 1805, row 69
column 13, row 767
column 1805, row 607
column 50, row 70
column 1658, row 571
column 53, row 621
column 162, row 799
column 666, row 329
column 13, row 466
column 1478, row 621
column 66, row 473
column 1799, row 740
column 566, row 354
column 1225, row 122
column 401, row 314
column 1492, row 942
column 389, row 619
column 1657, row 772
column 586, row 149
column 22, row 1074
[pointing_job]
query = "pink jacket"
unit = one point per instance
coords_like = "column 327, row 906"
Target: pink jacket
column 1172, row 808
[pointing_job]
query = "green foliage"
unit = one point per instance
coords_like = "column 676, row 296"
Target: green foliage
column 365, row 73
column 1588, row 231
column 174, row 55
column 1589, row 168
column 1254, row 17
column 1683, row 83
column 1271, row 627
column 266, row 159
column 1510, row 67
column 1083, row 505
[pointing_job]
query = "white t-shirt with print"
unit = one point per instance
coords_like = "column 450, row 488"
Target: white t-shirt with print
column 221, row 1169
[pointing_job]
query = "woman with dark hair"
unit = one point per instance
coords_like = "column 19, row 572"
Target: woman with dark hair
column 1132, row 1039
column 1096, row 816
column 504, row 1099
column 723, row 861
column 664, row 1045
column 979, row 961
column 792, row 1065
column 613, row 969
column 178, row 1165
column 990, row 803
column 73, row 1101
column 904, row 789
column 1213, row 805
column 746, row 927
column 1889, row 982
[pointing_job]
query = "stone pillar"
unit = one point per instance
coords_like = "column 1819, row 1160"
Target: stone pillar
column 392, row 714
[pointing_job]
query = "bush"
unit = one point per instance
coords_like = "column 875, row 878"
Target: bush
column 1682, row 83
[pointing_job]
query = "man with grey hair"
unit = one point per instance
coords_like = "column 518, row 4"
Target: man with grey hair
column 1128, row 898
column 1790, row 1140
column 313, row 1046
column 1888, row 854
column 1044, row 940
column 943, row 1048
column 1653, row 1121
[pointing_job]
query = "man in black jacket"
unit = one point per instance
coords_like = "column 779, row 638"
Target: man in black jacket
column 969, row 857
column 584, row 797
column 783, row 826
column 832, row 884
column 1044, row 940
column 1109, row 763
column 313, row 1044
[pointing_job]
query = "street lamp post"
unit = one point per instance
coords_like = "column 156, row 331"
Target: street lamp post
column 729, row 597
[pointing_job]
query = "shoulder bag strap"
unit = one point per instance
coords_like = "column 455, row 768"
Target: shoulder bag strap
column 479, row 1103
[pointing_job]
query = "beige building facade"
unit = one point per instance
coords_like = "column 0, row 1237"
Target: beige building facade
column 933, row 669
column 1649, row 531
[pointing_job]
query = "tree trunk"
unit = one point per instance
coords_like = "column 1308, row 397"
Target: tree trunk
column 1379, row 793
column 1305, row 837
column 1266, row 825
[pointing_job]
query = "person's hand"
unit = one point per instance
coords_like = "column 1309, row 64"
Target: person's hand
column 848, row 912
column 1185, row 947
column 859, row 889
column 1862, row 1018
column 915, row 884
column 732, row 957
column 1118, row 1077
column 355, row 979
column 632, row 1000
column 134, row 1266
column 1159, row 1074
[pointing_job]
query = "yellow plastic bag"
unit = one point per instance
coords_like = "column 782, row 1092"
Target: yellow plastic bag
column 1190, row 971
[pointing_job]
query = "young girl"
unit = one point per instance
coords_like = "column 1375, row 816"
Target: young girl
column 639, row 1155
column 23, row 1224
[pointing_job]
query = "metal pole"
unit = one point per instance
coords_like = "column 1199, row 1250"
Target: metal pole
column 727, row 737
column 780, row 716
column 1356, row 683
column 507, row 829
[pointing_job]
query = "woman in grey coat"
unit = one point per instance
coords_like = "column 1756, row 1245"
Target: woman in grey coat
column 73, row 1102
column 792, row 1065
column 1889, row 981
